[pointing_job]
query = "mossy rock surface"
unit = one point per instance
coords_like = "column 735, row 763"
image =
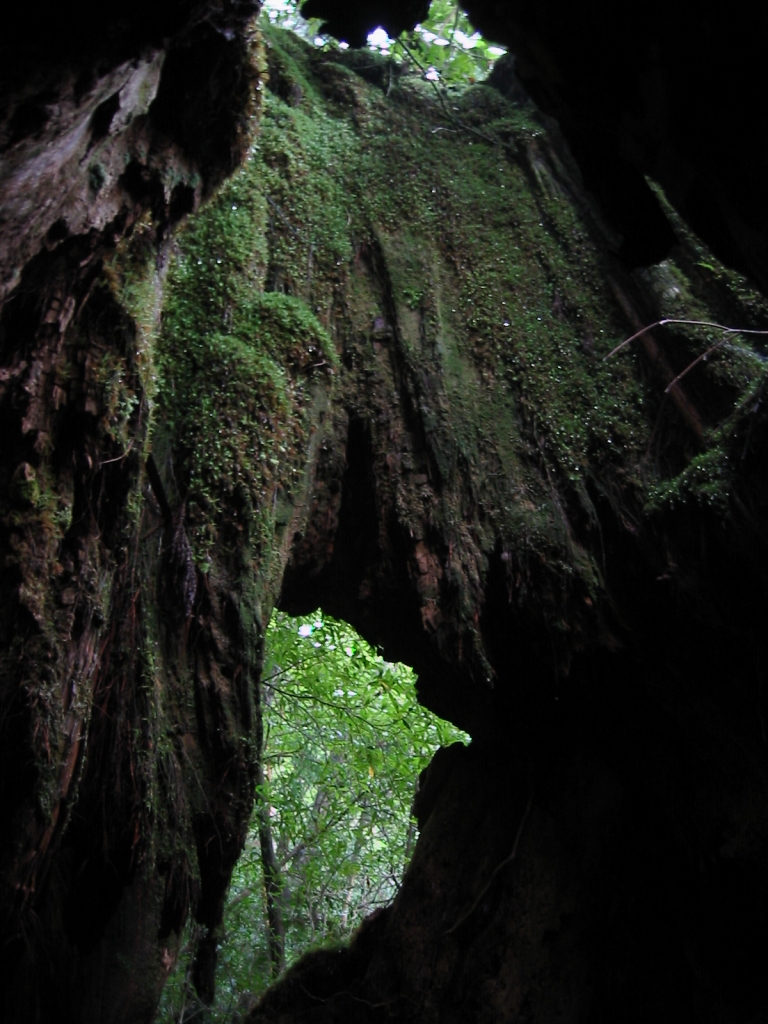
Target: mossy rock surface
column 428, row 265
column 373, row 373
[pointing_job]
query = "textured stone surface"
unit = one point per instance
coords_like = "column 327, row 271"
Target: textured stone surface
column 660, row 93
column 371, row 375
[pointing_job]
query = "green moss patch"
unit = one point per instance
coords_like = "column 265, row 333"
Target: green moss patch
column 440, row 247
column 236, row 365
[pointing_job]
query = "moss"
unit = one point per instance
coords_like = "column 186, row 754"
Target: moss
column 727, row 384
column 25, row 489
column 237, row 366
column 440, row 249
column 707, row 479
column 713, row 478
column 492, row 290
column 133, row 277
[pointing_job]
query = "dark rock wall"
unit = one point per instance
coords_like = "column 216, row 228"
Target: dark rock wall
column 106, row 115
column 660, row 94
column 105, row 134
column 372, row 374
column 665, row 92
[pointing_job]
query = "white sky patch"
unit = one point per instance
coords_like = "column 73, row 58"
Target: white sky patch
column 432, row 75
column 496, row 51
column 466, row 42
column 305, row 629
column 378, row 37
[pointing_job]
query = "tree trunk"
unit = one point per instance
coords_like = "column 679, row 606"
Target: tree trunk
column 382, row 384
column 273, row 885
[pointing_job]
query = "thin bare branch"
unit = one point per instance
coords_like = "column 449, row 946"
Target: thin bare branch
column 675, row 320
column 696, row 361
column 497, row 869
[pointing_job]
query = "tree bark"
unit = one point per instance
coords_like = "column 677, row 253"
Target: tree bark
column 384, row 389
column 273, row 884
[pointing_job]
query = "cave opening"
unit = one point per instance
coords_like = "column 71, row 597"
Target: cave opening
column 343, row 742
column 381, row 372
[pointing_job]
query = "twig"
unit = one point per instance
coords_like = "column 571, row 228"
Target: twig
column 106, row 462
column 159, row 491
column 314, row 699
column 497, row 869
column 452, row 44
column 446, row 111
column 346, row 992
column 695, row 362
column 673, row 320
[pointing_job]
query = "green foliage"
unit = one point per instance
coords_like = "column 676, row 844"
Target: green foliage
column 345, row 740
column 447, row 44
column 444, row 48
